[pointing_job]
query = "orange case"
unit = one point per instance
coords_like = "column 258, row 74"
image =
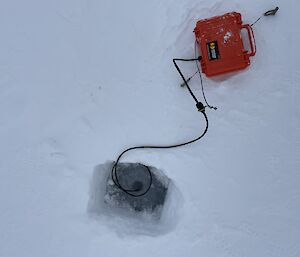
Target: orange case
column 219, row 40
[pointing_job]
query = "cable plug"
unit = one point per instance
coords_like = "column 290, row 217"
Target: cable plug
column 200, row 107
column 271, row 12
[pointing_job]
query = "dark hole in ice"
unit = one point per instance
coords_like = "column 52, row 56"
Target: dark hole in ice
column 135, row 176
column 137, row 186
column 154, row 214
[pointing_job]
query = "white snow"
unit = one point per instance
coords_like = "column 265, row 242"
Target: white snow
column 227, row 36
column 81, row 80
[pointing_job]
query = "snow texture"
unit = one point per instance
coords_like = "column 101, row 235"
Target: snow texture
column 81, row 80
column 227, row 36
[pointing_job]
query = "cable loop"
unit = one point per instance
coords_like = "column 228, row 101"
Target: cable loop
column 129, row 191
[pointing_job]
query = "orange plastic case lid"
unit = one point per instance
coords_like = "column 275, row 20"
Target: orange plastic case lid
column 221, row 46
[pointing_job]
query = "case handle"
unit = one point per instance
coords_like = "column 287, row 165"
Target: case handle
column 251, row 38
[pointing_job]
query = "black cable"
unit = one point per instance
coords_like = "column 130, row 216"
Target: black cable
column 201, row 80
column 114, row 171
column 183, row 78
column 129, row 191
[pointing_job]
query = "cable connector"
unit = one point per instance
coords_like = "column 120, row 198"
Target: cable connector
column 200, row 107
column 271, row 12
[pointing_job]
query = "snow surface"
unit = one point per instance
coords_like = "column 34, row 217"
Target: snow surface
column 81, row 80
column 227, row 36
